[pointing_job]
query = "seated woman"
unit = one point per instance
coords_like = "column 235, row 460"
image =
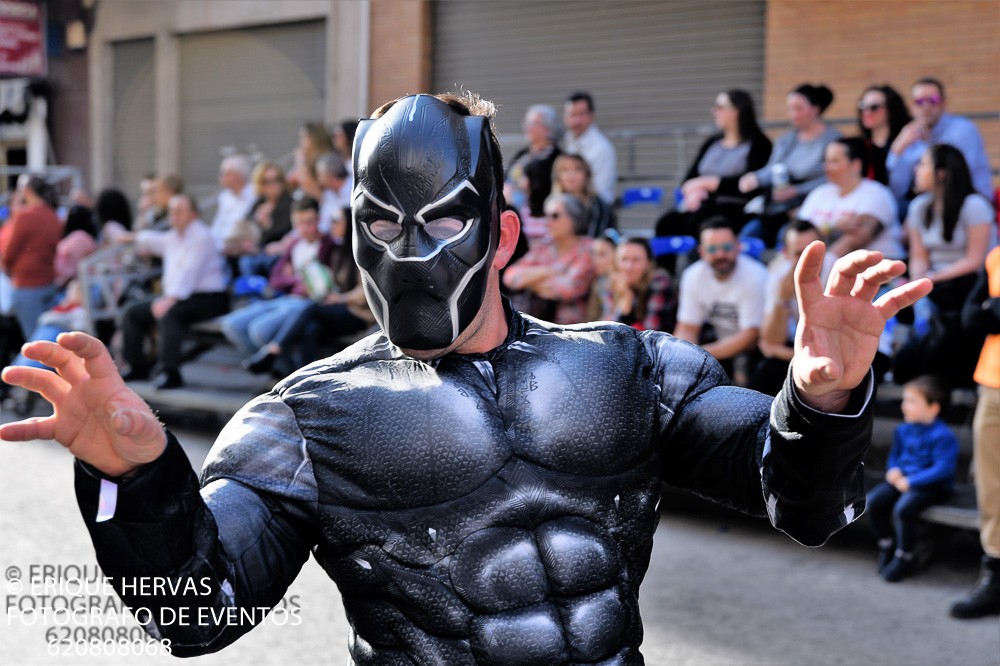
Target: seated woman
column 796, row 165
column 528, row 180
column 853, row 211
column 571, row 174
column 950, row 225
column 271, row 218
column 554, row 277
column 78, row 242
column 881, row 115
column 951, row 229
column 641, row 295
column 711, row 185
column 113, row 215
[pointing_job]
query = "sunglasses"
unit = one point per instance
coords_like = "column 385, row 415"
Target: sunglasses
column 932, row 100
column 723, row 247
column 870, row 108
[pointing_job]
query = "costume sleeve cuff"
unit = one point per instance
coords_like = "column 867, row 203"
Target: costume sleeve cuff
column 857, row 404
column 137, row 498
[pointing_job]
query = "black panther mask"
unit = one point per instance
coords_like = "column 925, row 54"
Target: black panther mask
column 426, row 223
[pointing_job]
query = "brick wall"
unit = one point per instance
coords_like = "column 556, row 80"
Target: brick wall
column 850, row 44
column 400, row 49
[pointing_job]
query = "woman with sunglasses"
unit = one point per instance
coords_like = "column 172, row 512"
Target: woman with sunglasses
column 711, row 185
column 271, row 214
column 553, row 279
column 881, row 115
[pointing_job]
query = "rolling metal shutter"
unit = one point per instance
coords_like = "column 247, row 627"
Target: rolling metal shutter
column 247, row 91
column 651, row 67
column 134, row 137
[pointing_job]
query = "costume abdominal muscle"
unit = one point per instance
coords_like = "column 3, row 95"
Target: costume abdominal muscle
column 494, row 508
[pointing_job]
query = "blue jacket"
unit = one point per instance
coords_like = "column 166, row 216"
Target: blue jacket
column 926, row 453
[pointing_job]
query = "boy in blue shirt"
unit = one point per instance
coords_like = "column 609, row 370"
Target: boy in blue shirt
column 920, row 472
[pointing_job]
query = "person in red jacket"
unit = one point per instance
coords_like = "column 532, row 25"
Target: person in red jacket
column 28, row 252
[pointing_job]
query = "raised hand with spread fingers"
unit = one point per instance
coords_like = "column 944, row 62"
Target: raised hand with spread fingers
column 95, row 415
column 839, row 327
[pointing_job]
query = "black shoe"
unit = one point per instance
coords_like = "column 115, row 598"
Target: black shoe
column 897, row 570
column 136, row 375
column 984, row 599
column 261, row 362
column 885, row 557
column 168, row 379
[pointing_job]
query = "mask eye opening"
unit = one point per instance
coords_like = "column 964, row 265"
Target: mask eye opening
column 385, row 230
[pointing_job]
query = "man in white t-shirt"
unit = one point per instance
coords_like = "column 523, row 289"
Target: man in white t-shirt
column 855, row 212
column 725, row 289
column 583, row 138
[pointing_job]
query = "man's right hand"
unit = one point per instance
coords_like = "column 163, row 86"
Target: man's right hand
column 95, row 415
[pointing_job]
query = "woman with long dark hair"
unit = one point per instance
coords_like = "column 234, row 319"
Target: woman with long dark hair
column 951, row 229
column 950, row 224
column 882, row 113
column 113, row 215
column 711, row 185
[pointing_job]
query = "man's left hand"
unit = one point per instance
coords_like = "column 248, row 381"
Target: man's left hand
column 839, row 328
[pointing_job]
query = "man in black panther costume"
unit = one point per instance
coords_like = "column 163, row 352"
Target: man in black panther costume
column 482, row 486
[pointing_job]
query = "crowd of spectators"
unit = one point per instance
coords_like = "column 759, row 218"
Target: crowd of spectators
column 910, row 184
column 913, row 183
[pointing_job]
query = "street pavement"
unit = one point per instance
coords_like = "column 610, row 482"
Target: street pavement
column 721, row 589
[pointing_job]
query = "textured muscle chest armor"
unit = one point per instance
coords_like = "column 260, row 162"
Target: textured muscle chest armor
column 493, row 508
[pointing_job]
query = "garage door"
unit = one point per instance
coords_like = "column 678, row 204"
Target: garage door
column 134, row 114
column 652, row 67
column 271, row 79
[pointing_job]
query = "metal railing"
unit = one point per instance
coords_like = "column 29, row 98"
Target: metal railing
column 106, row 276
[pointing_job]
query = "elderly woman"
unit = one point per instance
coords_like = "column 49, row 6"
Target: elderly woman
column 554, row 277
column 529, row 176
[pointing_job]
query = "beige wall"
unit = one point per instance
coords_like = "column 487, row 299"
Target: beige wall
column 849, row 45
column 400, row 49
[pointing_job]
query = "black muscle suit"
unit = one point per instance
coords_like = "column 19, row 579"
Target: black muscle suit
column 491, row 509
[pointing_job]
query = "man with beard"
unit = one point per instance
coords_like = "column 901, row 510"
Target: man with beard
column 725, row 290
column 482, row 486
